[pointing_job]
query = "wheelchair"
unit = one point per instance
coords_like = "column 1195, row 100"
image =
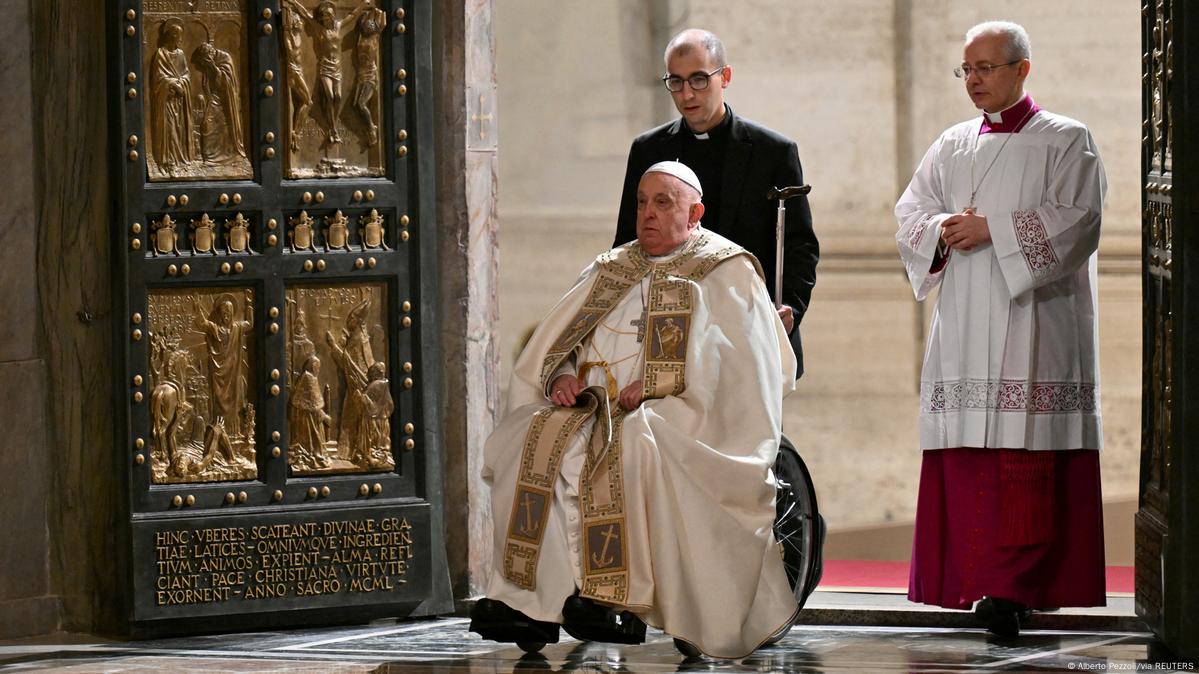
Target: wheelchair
column 798, row 530
column 798, row 527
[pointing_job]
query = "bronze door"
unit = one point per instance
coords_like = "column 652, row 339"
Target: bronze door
column 1167, row 550
column 276, row 256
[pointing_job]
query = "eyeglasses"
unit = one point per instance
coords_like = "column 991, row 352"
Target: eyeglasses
column 964, row 71
column 698, row 81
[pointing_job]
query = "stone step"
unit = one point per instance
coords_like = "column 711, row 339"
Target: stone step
column 892, row 609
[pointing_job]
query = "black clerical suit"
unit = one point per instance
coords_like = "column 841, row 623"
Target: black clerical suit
column 737, row 164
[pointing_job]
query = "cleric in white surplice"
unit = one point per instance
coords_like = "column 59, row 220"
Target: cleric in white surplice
column 1003, row 215
column 630, row 473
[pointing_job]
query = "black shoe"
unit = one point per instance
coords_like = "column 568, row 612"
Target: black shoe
column 496, row 621
column 1001, row 616
column 689, row 651
column 586, row 620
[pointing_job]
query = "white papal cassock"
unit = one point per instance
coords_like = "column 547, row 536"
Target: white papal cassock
column 1012, row 356
column 693, row 551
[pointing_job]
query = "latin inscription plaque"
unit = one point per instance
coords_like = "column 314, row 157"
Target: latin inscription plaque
column 247, row 563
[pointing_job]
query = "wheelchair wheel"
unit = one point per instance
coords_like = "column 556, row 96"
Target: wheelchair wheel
column 798, row 526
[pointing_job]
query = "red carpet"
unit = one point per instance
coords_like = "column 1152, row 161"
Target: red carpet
column 854, row 574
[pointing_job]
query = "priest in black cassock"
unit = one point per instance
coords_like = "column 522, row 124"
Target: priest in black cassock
column 741, row 160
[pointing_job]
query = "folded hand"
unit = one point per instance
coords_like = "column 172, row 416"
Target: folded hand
column 564, row 389
column 965, row 230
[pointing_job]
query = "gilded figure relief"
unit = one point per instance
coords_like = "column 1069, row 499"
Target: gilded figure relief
column 1160, row 81
column 237, row 235
column 202, row 396
column 165, row 237
column 327, row 138
column 301, row 234
column 337, row 232
column 196, row 107
column 373, row 233
column 339, row 397
column 203, row 236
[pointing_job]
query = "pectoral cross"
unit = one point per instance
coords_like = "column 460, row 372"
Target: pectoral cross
column 639, row 323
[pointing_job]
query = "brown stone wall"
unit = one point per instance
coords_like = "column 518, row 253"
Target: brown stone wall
column 84, row 494
column 27, row 602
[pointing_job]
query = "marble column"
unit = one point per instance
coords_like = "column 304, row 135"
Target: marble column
column 467, row 169
column 27, row 604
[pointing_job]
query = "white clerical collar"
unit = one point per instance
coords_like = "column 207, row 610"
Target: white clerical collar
column 997, row 117
column 724, row 122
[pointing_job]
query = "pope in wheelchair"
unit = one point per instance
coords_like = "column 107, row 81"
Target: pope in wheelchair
column 630, row 474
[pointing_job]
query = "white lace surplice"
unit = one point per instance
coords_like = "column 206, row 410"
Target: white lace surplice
column 1012, row 355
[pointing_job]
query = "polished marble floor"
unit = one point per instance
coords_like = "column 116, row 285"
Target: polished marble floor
column 832, row 638
column 445, row 646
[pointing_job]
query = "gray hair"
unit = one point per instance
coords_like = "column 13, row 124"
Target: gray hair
column 1016, row 43
column 692, row 37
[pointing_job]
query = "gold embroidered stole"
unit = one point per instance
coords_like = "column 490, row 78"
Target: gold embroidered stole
column 668, row 322
column 601, row 498
column 550, row 431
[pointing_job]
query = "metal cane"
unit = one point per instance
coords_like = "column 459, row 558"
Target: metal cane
column 782, row 194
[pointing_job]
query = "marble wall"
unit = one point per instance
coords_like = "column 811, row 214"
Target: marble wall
column 467, row 167
column 864, row 87
column 27, row 602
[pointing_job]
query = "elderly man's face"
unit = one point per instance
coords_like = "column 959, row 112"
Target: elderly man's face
column 1002, row 87
column 702, row 109
column 668, row 210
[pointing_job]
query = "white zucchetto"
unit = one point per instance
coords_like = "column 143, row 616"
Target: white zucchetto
column 678, row 170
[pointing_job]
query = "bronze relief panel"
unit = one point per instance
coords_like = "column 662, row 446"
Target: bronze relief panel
column 332, row 109
column 339, row 394
column 197, row 97
column 1160, row 62
column 202, row 398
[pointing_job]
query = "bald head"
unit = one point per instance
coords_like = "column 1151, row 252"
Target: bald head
column 696, row 39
